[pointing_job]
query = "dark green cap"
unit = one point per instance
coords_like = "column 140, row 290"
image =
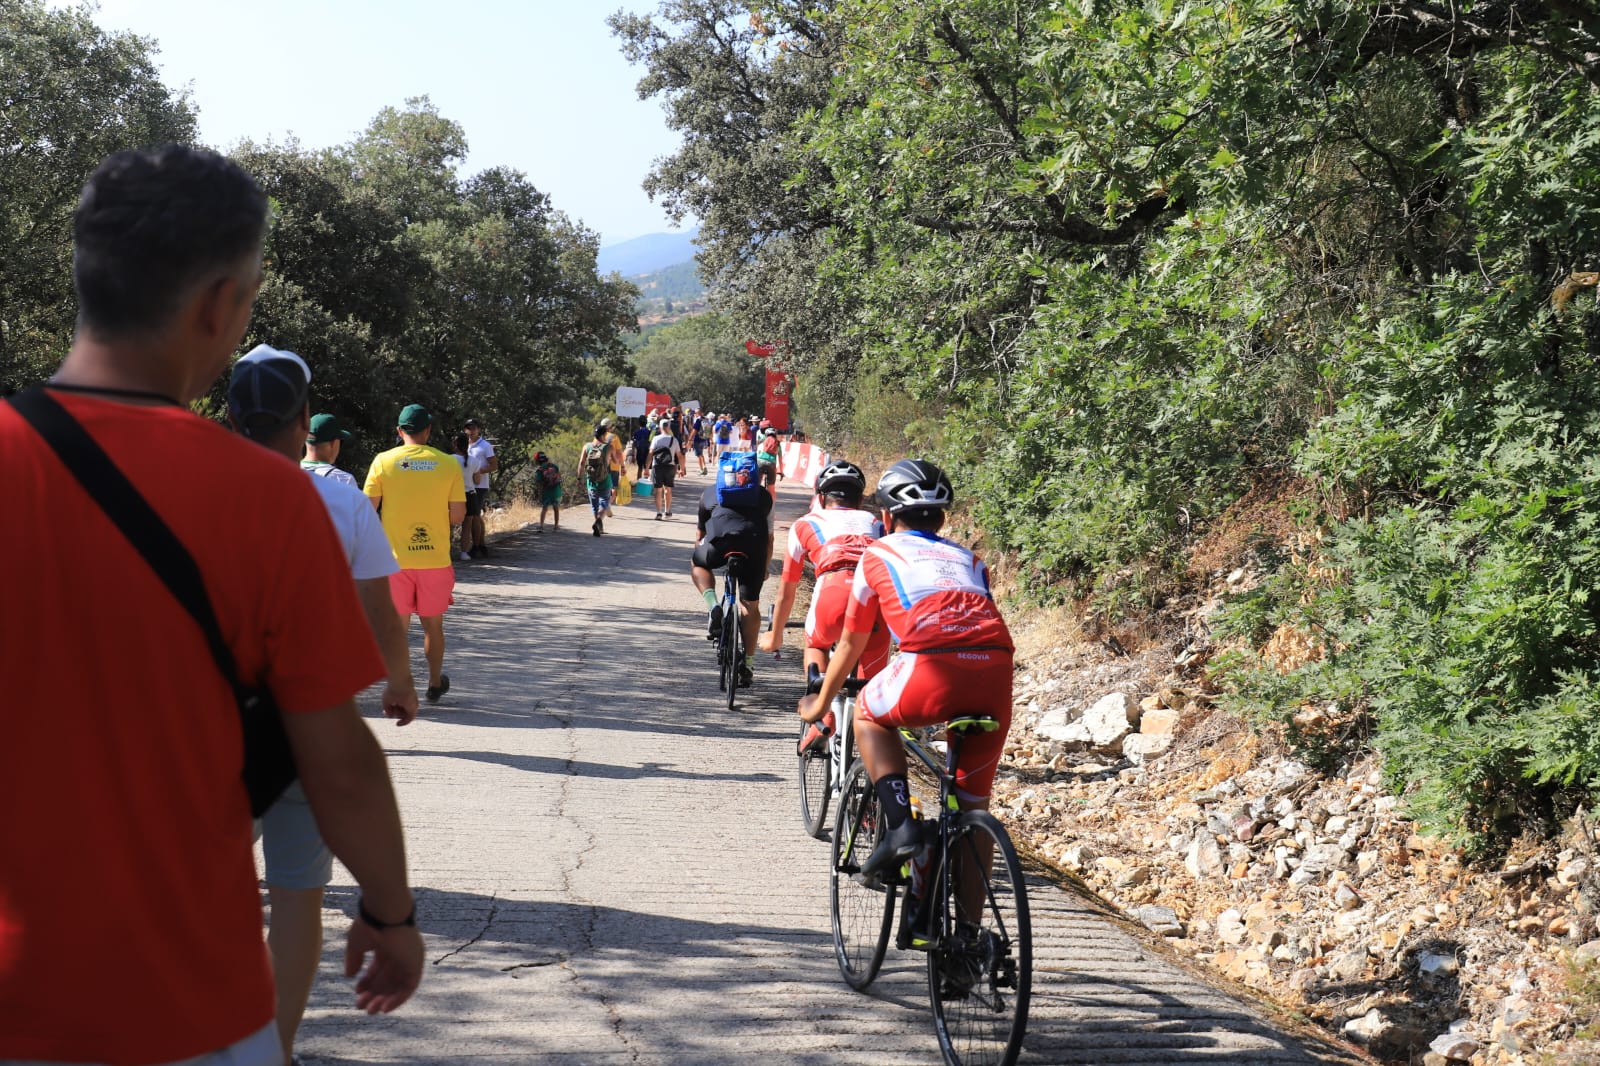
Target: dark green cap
column 415, row 417
column 325, row 429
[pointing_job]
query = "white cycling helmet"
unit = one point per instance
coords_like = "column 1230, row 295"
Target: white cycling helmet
column 843, row 478
column 914, row 485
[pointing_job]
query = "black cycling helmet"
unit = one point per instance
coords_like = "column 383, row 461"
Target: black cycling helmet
column 842, row 479
column 914, row 485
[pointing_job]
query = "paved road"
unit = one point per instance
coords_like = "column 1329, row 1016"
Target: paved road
column 611, row 868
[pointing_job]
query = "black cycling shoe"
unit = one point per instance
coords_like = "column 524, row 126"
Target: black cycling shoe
column 746, row 677
column 893, row 850
column 912, row 935
column 714, row 629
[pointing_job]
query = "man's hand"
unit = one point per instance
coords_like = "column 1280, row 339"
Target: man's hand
column 811, row 708
column 396, row 967
column 770, row 641
column 400, row 701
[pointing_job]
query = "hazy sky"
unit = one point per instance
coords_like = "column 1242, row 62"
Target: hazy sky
column 538, row 85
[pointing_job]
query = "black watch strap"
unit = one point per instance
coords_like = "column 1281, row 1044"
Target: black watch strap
column 366, row 916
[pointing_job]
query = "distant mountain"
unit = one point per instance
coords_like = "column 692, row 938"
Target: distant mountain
column 653, row 251
column 670, row 293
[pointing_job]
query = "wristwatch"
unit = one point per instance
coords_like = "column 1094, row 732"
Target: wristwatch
column 366, row 916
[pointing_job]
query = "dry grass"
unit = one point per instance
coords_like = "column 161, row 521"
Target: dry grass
column 1050, row 630
column 511, row 516
column 1264, row 515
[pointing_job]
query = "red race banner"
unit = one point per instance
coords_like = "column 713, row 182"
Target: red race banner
column 657, row 401
column 779, row 387
column 760, row 351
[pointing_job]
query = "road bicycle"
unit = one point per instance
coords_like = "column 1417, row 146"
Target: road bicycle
column 822, row 773
column 966, row 904
column 730, row 638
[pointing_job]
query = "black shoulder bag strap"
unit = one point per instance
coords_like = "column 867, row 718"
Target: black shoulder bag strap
column 268, row 762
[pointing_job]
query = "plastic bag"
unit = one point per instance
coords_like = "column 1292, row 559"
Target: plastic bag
column 624, row 492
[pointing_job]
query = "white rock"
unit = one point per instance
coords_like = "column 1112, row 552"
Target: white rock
column 1138, row 748
column 1367, row 1028
column 1455, row 1046
column 1438, row 965
column 1161, row 920
column 1079, row 856
column 1230, row 926
column 1204, row 858
column 1320, row 858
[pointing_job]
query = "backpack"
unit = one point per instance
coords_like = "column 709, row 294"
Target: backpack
column 549, row 475
column 738, row 480
column 597, row 462
column 662, row 457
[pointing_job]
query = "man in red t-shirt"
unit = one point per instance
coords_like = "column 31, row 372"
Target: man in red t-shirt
column 130, row 921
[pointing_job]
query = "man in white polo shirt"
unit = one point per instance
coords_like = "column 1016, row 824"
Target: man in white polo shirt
column 267, row 403
column 479, row 448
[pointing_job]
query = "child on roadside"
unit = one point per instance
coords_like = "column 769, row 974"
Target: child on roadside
column 547, row 476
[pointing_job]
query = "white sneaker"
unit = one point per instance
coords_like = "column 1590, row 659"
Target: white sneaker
column 463, row 556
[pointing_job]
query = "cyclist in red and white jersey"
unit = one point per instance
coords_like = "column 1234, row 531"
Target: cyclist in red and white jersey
column 955, row 652
column 831, row 537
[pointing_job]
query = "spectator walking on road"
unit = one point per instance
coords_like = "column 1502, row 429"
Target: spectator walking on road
column 699, row 430
column 418, row 491
column 641, row 451
column 614, row 461
column 547, row 476
column 594, row 459
column 267, row 403
column 666, row 456
column 323, row 441
column 460, row 448
column 122, row 739
column 479, row 449
column 769, row 454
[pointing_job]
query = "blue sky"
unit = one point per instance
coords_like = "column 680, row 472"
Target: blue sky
column 538, row 85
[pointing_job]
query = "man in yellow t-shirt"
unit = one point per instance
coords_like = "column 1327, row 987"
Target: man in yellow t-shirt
column 419, row 492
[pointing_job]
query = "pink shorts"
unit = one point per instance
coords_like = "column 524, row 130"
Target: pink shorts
column 928, row 688
column 425, row 593
column 825, row 622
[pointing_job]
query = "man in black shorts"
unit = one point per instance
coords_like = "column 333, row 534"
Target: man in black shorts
column 723, row 531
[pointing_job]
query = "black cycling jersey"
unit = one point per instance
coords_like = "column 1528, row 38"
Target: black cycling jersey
column 727, row 524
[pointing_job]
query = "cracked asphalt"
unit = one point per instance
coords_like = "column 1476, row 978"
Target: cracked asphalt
column 610, row 867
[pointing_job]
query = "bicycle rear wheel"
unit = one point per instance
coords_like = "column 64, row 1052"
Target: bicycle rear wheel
column 816, row 773
column 980, row 973
column 731, row 633
column 862, row 913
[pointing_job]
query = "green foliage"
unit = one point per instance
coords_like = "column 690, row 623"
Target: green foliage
column 397, row 279
column 699, row 359
column 70, row 94
column 1142, row 255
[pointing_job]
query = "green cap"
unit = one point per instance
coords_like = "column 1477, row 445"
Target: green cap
column 325, row 429
column 414, row 417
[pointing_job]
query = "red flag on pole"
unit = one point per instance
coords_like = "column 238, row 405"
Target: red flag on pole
column 779, row 388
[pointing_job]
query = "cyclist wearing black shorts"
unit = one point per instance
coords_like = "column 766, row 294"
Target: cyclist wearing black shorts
column 723, row 531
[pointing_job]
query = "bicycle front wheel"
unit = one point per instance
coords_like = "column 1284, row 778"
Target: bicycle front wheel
column 980, row 972
column 816, row 775
column 862, row 912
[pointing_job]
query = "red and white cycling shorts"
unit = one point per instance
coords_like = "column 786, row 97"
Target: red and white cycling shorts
column 921, row 689
column 825, row 622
